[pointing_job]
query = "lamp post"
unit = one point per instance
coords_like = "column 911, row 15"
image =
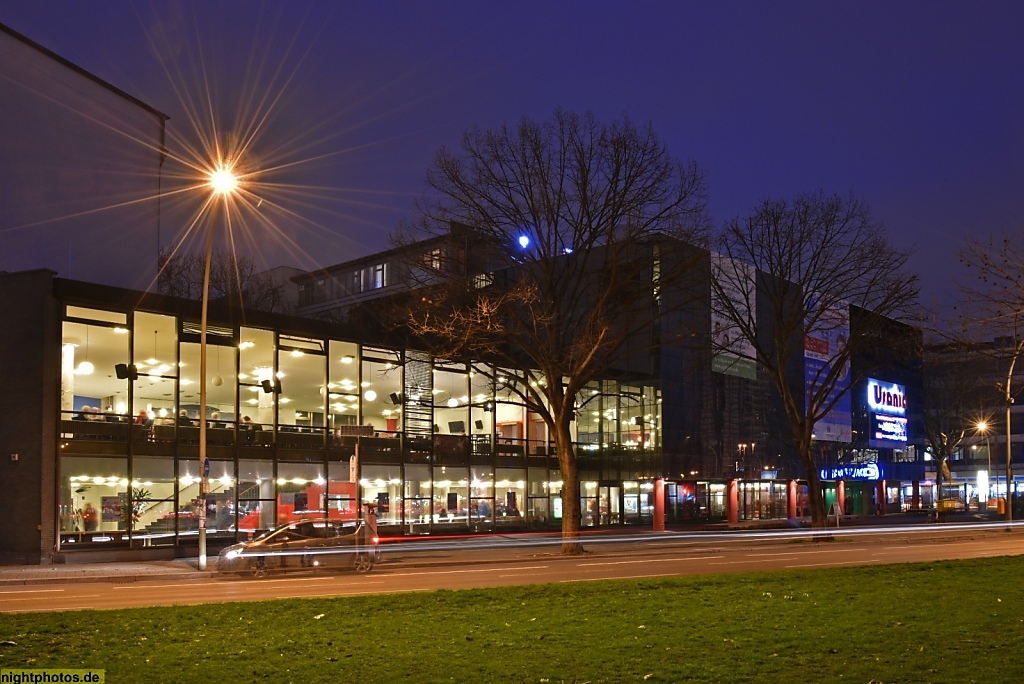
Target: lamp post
column 1009, row 435
column 223, row 182
column 982, row 429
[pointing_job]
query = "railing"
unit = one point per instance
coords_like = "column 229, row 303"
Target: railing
column 300, row 437
column 95, row 430
column 343, row 441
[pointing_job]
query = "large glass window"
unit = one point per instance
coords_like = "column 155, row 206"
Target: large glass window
column 301, row 491
column 93, row 499
column 481, row 393
column 588, row 416
column 343, row 385
column 417, row 497
column 341, row 499
column 481, row 496
column 451, row 398
column 256, row 376
column 152, row 491
column 256, row 495
column 381, row 387
column 219, row 500
column 538, row 504
column 382, row 485
column 302, row 376
column 90, row 388
column 220, row 383
column 509, row 495
column 509, row 418
column 451, row 495
column 155, row 345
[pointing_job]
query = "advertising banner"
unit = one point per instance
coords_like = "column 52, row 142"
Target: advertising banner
column 823, row 347
column 733, row 354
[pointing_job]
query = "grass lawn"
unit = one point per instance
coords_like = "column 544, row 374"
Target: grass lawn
column 935, row 622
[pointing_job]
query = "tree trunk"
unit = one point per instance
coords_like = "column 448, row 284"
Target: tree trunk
column 815, row 497
column 571, row 544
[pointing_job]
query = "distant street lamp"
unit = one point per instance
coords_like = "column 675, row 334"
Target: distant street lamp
column 223, row 182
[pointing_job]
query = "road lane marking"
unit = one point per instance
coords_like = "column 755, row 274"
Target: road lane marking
column 602, row 579
column 649, row 560
column 462, row 572
column 30, row 598
column 801, row 553
column 228, row 583
column 827, row 565
column 32, row 591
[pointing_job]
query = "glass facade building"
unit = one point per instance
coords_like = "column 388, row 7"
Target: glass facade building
column 302, row 422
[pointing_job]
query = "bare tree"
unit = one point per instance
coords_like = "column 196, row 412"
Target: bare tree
column 955, row 404
column 232, row 278
column 545, row 257
column 993, row 300
column 803, row 267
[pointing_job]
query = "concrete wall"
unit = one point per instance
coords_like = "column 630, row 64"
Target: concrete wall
column 29, row 344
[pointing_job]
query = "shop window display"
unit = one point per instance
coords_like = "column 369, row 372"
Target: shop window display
column 92, row 493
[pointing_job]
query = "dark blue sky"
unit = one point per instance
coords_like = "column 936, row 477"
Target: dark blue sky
column 916, row 107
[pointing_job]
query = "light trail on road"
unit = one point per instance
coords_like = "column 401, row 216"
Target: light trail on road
column 471, row 565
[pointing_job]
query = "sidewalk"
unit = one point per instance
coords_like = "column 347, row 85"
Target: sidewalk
column 118, row 572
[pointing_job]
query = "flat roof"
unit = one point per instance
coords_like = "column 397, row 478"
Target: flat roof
column 90, row 76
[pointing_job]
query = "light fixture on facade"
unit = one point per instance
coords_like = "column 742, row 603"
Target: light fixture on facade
column 85, row 368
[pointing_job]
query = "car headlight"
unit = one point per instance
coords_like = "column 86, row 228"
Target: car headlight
column 232, row 554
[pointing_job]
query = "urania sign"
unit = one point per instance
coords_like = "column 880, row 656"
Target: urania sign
column 885, row 397
column 858, row 471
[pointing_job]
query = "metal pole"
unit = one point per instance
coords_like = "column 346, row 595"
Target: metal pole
column 988, row 473
column 1009, row 437
column 202, row 388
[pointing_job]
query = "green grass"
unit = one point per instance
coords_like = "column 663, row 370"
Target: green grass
column 935, row 622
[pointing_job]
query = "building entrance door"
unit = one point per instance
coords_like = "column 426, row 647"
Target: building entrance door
column 610, row 504
column 589, row 511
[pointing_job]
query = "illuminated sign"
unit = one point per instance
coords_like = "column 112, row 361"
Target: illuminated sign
column 857, row 471
column 886, row 397
column 890, row 428
column 887, row 410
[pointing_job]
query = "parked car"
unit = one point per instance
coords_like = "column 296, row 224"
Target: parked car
column 303, row 544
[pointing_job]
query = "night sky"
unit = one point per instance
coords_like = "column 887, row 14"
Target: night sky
column 916, row 107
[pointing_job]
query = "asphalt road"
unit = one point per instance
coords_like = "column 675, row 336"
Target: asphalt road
column 470, row 564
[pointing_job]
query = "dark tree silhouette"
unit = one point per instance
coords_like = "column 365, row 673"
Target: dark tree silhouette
column 232, row 278
column 546, row 248
column 801, row 265
column 992, row 299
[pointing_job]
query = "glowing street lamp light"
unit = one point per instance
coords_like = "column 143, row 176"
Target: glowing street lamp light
column 223, row 182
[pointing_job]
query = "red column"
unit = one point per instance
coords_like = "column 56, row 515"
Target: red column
column 659, row 505
column 732, row 508
column 915, row 500
column 880, row 496
column 841, row 495
column 791, row 499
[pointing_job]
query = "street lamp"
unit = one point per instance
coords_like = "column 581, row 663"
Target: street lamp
column 223, row 182
column 982, row 429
